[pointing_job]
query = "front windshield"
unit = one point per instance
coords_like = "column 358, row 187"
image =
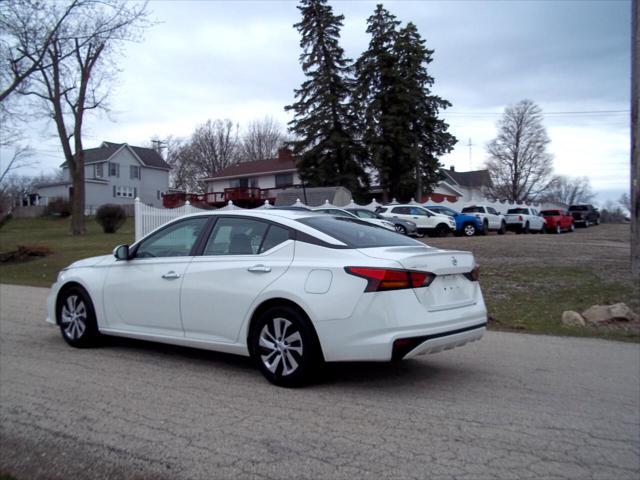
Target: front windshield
column 518, row 210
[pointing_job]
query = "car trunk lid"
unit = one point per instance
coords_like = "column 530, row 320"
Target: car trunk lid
column 450, row 288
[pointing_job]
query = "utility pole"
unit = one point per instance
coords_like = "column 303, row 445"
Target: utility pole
column 470, row 145
column 635, row 165
column 159, row 146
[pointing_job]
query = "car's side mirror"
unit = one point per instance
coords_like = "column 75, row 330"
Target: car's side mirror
column 121, row 252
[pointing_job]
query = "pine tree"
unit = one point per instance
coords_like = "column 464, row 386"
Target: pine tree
column 324, row 121
column 422, row 136
column 376, row 81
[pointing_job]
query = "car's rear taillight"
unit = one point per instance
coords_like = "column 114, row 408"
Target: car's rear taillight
column 381, row 279
column 520, row 217
column 473, row 275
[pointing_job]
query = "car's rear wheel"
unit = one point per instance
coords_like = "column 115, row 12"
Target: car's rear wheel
column 76, row 318
column 526, row 228
column 573, row 227
column 469, row 229
column 503, row 229
column 442, row 230
column 485, row 228
column 284, row 347
column 558, row 229
column 401, row 229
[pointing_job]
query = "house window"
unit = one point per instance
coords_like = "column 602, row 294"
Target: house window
column 100, row 170
column 124, row 192
column 134, row 172
column 239, row 182
column 114, row 169
column 284, row 180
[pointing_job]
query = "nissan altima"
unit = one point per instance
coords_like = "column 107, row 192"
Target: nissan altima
column 291, row 289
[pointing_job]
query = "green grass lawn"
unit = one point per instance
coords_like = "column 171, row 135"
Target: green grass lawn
column 54, row 233
column 532, row 299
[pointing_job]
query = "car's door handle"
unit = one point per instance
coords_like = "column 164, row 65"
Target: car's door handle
column 171, row 275
column 415, row 218
column 259, row 269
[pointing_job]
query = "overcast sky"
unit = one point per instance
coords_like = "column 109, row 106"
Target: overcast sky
column 239, row 60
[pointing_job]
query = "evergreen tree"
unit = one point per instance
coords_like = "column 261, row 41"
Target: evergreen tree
column 324, row 120
column 421, row 136
column 402, row 133
column 376, row 81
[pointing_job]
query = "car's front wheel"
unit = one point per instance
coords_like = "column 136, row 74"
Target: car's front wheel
column 77, row 318
column 401, row 229
column 469, row 229
column 503, row 229
column 284, row 347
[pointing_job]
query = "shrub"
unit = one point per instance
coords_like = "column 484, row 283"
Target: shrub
column 58, row 208
column 111, row 217
column 5, row 218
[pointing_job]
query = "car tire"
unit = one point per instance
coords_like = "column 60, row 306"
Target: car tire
column 558, row 229
column 400, row 229
column 284, row 346
column 526, row 228
column 469, row 229
column 485, row 228
column 586, row 224
column 77, row 318
column 441, row 230
column 503, row 229
column 573, row 227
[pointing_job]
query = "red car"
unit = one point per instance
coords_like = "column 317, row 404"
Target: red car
column 557, row 221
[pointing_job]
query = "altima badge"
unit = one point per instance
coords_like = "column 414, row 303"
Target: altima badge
column 454, row 261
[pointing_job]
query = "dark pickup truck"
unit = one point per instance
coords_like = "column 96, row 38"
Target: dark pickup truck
column 584, row 215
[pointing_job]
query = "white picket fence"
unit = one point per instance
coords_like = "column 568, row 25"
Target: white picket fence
column 148, row 218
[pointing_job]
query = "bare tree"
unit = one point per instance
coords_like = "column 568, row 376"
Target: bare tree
column 625, row 201
column 569, row 190
column 75, row 75
column 184, row 173
column 20, row 158
column 213, row 146
column 519, row 163
column 261, row 140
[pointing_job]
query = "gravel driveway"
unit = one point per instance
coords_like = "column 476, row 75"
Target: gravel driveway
column 509, row 406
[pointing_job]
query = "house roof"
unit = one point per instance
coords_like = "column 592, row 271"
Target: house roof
column 283, row 163
column 148, row 156
column 474, row 178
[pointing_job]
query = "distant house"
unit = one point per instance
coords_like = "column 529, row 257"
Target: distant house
column 251, row 183
column 467, row 186
column 115, row 173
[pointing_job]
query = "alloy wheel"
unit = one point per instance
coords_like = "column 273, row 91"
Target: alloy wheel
column 469, row 230
column 280, row 346
column 74, row 317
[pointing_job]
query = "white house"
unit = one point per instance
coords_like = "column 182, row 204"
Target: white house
column 115, row 173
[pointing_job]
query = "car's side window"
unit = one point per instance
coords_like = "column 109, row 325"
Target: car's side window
column 401, row 210
column 236, row 236
column 275, row 236
column 177, row 240
column 492, row 211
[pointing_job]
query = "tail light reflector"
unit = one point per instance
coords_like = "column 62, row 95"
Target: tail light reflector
column 381, row 279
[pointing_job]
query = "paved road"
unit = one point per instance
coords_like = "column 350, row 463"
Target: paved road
column 509, row 406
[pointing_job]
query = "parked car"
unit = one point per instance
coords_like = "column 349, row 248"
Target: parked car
column 404, row 227
column 467, row 225
column 339, row 212
column 290, row 289
column 428, row 222
column 492, row 220
column 585, row 215
column 524, row 220
column 558, row 221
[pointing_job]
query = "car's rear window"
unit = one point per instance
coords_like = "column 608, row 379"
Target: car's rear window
column 358, row 234
column 550, row 213
column 518, row 210
column 578, row 208
column 473, row 210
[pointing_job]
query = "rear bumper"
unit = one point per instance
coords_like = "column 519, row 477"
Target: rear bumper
column 438, row 342
column 380, row 319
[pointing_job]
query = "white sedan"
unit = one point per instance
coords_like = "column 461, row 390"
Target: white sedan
column 290, row 289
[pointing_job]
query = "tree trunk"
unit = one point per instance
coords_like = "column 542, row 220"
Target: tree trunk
column 77, row 201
